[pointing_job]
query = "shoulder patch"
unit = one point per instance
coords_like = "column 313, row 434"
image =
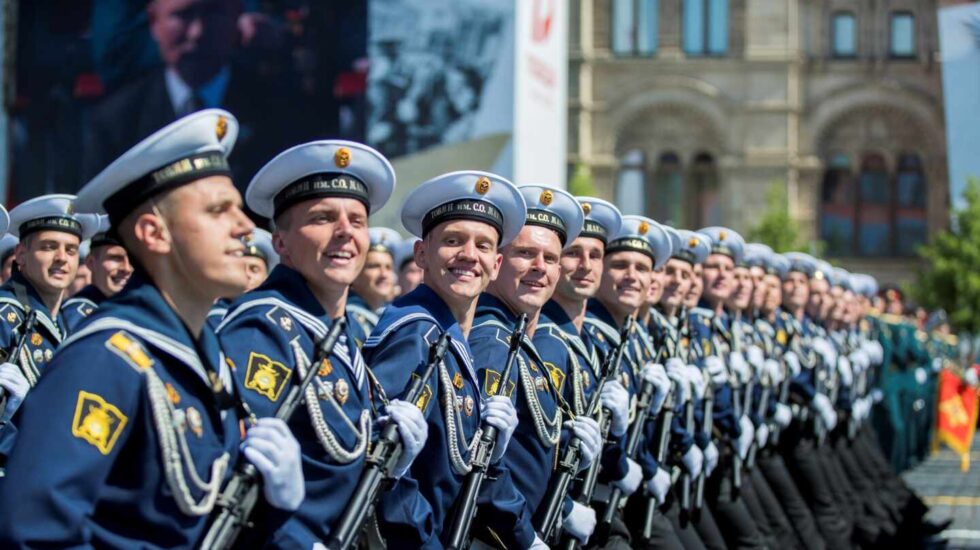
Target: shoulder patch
column 97, row 422
column 491, row 383
column 279, row 317
column 130, row 350
column 425, row 396
column 265, row 376
column 557, row 375
column 11, row 315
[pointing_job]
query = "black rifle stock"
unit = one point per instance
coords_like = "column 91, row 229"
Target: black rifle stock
column 241, row 494
column 614, row 362
column 14, row 355
column 465, row 505
column 380, row 462
column 660, row 452
column 709, row 422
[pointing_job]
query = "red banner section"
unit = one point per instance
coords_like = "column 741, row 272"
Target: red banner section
column 957, row 418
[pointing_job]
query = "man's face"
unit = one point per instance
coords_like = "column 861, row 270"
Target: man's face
column 49, row 260
column 625, row 282
column 581, row 269
column 773, row 294
column 409, row 277
column 818, row 298
column 719, row 279
column 377, row 280
column 742, row 294
column 831, row 302
column 83, row 278
column 657, row 281
column 530, row 270
column 697, row 285
column 459, row 259
column 207, row 226
column 759, row 288
column 677, row 282
column 195, row 37
column 256, row 271
column 796, row 290
column 8, row 267
column 110, row 268
column 325, row 240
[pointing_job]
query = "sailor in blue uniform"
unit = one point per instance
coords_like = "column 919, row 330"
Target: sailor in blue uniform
column 260, row 259
column 527, row 278
column 109, row 264
column 409, row 273
column 31, row 301
column 374, row 287
column 462, row 218
column 130, row 434
column 320, row 195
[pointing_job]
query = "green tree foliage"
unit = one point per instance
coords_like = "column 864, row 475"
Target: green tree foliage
column 581, row 183
column 951, row 279
column 776, row 227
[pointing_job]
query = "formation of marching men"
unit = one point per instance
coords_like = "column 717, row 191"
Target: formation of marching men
column 551, row 373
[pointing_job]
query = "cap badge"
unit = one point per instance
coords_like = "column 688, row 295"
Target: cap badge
column 586, row 208
column 722, row 235
column 342, row 157
column 692, row 242
column 221, row 128
column 546, row 197
column 483, row 185
column 70, row 209
column 643, row 228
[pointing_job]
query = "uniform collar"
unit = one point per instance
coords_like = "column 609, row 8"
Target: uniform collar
column 291, row 285
column 596, row 309
column 425, row 297
column 554, row 313
column 491, row 306
column 33, row 298
column 91, row 293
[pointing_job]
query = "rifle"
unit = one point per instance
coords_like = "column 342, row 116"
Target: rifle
column 613, row 365
column 760, row 411
column 660, row 452
column 686, row 476
column 30, row 373
column 240, row 496
column 466, row 501
column 709, row 423
column 380, row 463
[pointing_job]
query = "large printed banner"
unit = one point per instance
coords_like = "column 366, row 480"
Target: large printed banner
column 957, row 418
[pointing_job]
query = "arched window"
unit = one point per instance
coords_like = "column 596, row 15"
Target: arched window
column 910, row 205
column 705, row 27
column 704, row 184
column 634, row 27
column 843, row 40
column 631, row 183
column 837, row 211
column 668, row 202
column 874, row 207
column 902, row 34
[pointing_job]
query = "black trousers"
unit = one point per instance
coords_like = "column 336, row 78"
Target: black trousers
column 730, row 511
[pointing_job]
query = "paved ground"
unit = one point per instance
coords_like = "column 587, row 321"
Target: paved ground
column 951, row 494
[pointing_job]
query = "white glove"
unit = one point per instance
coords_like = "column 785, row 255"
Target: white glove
column 826, row 350
column 860, row 409
column 580, row 522
column 937, row 364
column 756, row 358
column 875, row 352
column 745, row 438
column 615, row 398
column 761, row 435
column 586, row 429
column 658, row 485
column 16, row 386
column 695, row 377
column 920, row 375
column 877, row 395
column 783, row 415
column 631, row 482
column 710, row 458
column 500, row 413
column 740, row 367
column 692, row 460
column 793, row 363
column 844, row 371
column 774, row 371
column 716, row 370
column 656, row 374
column 970, row 377
column 538, row 544
column 676, row 372
column 412, row 429
column 821, row 403
column 859, row 361
column 275, row 453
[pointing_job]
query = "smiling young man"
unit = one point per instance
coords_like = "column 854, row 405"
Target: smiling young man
column 461, row 218
column 133, row 429
column 409, row 272
column 109, row 264
column 375, row 284
column 260, row 259
column 320, row 195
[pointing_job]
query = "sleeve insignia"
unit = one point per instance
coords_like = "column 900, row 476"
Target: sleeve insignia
column 265, row 376
column 557, row 376
column 781, row 337
column 97, row 422
column 11, row 317
column 286, row 323
column 130, row 350
column 491, row 382
column 11, row 314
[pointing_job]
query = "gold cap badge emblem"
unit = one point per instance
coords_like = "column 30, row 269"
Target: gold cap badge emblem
column 586, row 208
column 643, row 228
column 546, row 197
column 221, row 128
column 342, row 157
column 692, row 242
column 722, row 235
column 70, row 209
column 483, row 185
